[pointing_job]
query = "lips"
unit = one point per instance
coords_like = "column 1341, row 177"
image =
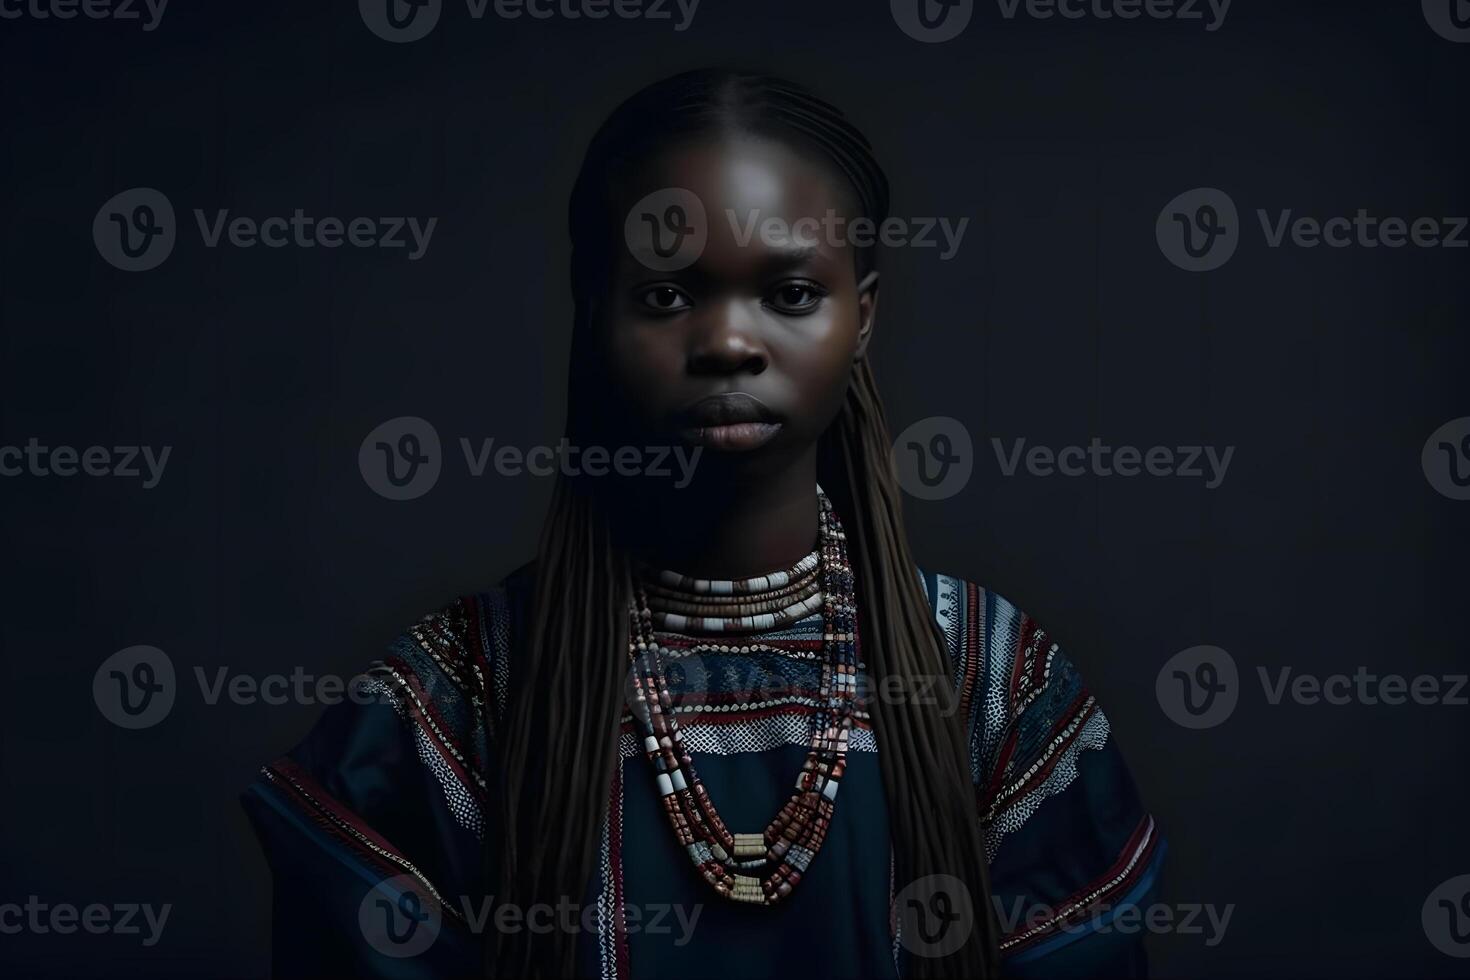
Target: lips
column 734, row 421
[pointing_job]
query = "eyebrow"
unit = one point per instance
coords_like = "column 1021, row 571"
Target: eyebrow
column 779, row 257
column 786, row 255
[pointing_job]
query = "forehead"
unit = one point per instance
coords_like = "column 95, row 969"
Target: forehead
column 742, row 170
column 737, row 182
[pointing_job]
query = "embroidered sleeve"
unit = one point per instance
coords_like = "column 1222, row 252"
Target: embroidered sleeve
column 1068, row 840
column 388, row 793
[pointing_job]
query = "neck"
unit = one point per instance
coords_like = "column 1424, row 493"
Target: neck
column 727, row 526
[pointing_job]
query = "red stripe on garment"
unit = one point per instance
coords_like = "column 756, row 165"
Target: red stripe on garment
column 1075, row 713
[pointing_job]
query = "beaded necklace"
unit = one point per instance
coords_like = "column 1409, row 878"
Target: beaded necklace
column 757, row 868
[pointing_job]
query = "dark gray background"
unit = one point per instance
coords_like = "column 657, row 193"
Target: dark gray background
column 263, row 549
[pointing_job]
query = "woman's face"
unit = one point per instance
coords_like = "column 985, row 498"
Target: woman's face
column 745, row 344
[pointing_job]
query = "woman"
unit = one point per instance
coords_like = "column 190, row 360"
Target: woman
column 624, row 760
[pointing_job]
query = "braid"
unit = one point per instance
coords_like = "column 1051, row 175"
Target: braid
column 923, row 757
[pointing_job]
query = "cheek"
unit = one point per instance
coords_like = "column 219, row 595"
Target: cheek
column 641, row 364
column 820, row 368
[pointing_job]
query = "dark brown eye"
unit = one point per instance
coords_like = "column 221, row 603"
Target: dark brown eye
column 664, row 299
column 797, row 297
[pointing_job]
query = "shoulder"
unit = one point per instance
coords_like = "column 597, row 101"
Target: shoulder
column 999, row 652
column 458, row 656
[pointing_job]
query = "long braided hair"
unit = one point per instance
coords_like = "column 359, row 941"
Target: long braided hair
column 558, row 749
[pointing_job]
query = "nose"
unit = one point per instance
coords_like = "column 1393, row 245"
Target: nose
column 727, row 340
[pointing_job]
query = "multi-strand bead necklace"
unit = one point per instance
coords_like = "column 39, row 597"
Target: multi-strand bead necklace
column 759, row 868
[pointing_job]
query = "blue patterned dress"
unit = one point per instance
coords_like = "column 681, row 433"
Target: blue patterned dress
column 373, row 825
